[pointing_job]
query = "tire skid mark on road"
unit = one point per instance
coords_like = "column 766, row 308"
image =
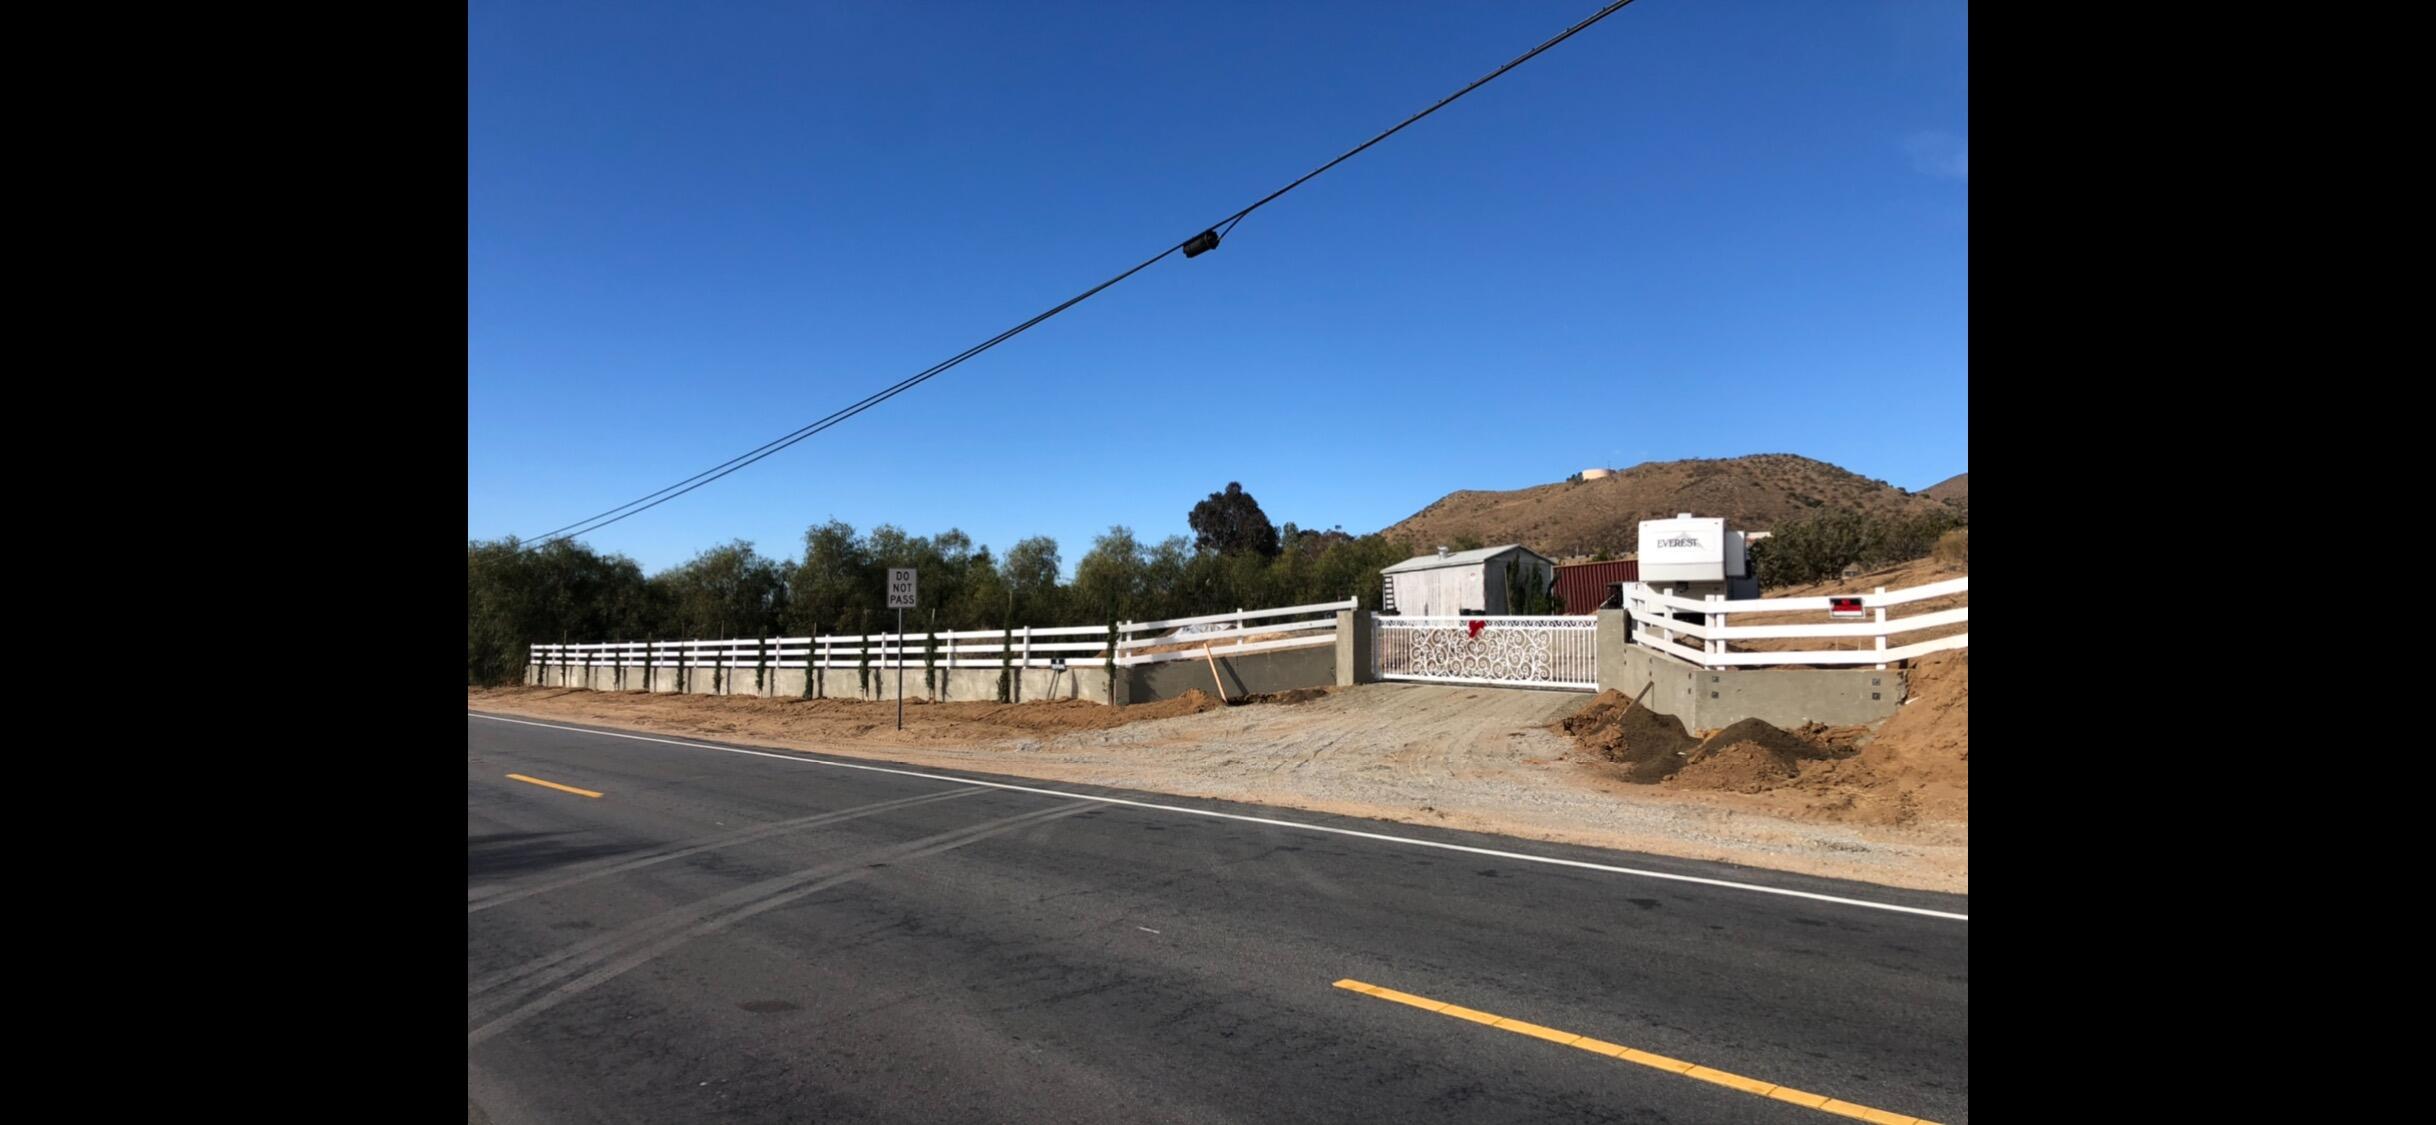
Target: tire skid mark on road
column 497, row 896
column 592, row 962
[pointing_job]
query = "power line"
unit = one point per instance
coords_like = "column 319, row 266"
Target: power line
column 1197, row 244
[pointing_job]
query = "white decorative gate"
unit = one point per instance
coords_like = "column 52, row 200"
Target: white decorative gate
column 1540, row 652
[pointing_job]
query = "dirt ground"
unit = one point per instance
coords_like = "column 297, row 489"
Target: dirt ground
column 1911, row 770
column 1483, row 759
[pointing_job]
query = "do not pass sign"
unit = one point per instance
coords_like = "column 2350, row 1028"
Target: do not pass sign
column 900, row 587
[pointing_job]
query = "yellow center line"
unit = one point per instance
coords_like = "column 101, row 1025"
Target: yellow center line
column 1644, row 1058
column 553, row 785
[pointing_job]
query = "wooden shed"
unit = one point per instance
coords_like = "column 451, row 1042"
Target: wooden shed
column 1461, row 582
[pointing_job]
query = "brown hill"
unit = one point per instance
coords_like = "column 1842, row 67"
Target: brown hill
column 1583, row 517
column 1955, row 490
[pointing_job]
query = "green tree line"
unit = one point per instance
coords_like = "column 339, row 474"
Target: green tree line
column 566, row 591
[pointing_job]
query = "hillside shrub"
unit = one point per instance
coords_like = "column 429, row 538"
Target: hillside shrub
column 1954, row 547
column 1822, row 546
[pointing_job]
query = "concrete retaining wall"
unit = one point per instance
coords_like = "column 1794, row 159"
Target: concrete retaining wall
column 1256, row 673
column 1706, row 699
column 1702, row 699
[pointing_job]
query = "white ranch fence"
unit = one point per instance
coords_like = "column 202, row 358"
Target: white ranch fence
column 1073, row 646
column 1710, row 641
column 1541, row 652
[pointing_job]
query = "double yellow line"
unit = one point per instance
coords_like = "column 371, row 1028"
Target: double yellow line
column 1801, row 1098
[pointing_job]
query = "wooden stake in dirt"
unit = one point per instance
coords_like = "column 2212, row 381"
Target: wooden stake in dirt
column 1205, row 651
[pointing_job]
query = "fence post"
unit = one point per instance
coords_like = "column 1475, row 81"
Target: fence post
column 1881, row 638
column 1714, row 645
column 1719, row 619
column 1027, row 662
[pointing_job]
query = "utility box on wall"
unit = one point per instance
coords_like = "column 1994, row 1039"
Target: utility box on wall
column 1696, row 556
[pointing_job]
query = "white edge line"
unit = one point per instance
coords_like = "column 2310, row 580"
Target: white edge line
column 785, row 757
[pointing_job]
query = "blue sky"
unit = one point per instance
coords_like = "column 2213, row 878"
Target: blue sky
column 1701, row 228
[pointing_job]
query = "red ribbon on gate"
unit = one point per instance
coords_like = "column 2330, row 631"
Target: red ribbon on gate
column 1475, row 623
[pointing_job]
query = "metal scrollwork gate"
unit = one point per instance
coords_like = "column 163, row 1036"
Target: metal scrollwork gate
column 1539, row 652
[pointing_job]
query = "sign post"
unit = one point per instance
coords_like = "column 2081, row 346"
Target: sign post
column 900, row 599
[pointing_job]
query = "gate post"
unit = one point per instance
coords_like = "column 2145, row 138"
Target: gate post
column 1355, row 662
column 1615, row 635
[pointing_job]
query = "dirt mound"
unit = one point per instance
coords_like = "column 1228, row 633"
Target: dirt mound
column 1923, row 753
column 1752, row 756
column 1915, row 767
column 1841, row 740
column 1649, row 745
column 1932, row 729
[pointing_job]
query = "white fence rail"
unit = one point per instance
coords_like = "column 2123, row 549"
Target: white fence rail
column 1543, row 652
column 1072, row 646
column 1657, row 624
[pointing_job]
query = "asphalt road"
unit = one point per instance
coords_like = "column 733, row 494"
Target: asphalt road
column 757, row 936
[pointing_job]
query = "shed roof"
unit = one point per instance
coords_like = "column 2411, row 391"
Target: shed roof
column 1461, row 558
